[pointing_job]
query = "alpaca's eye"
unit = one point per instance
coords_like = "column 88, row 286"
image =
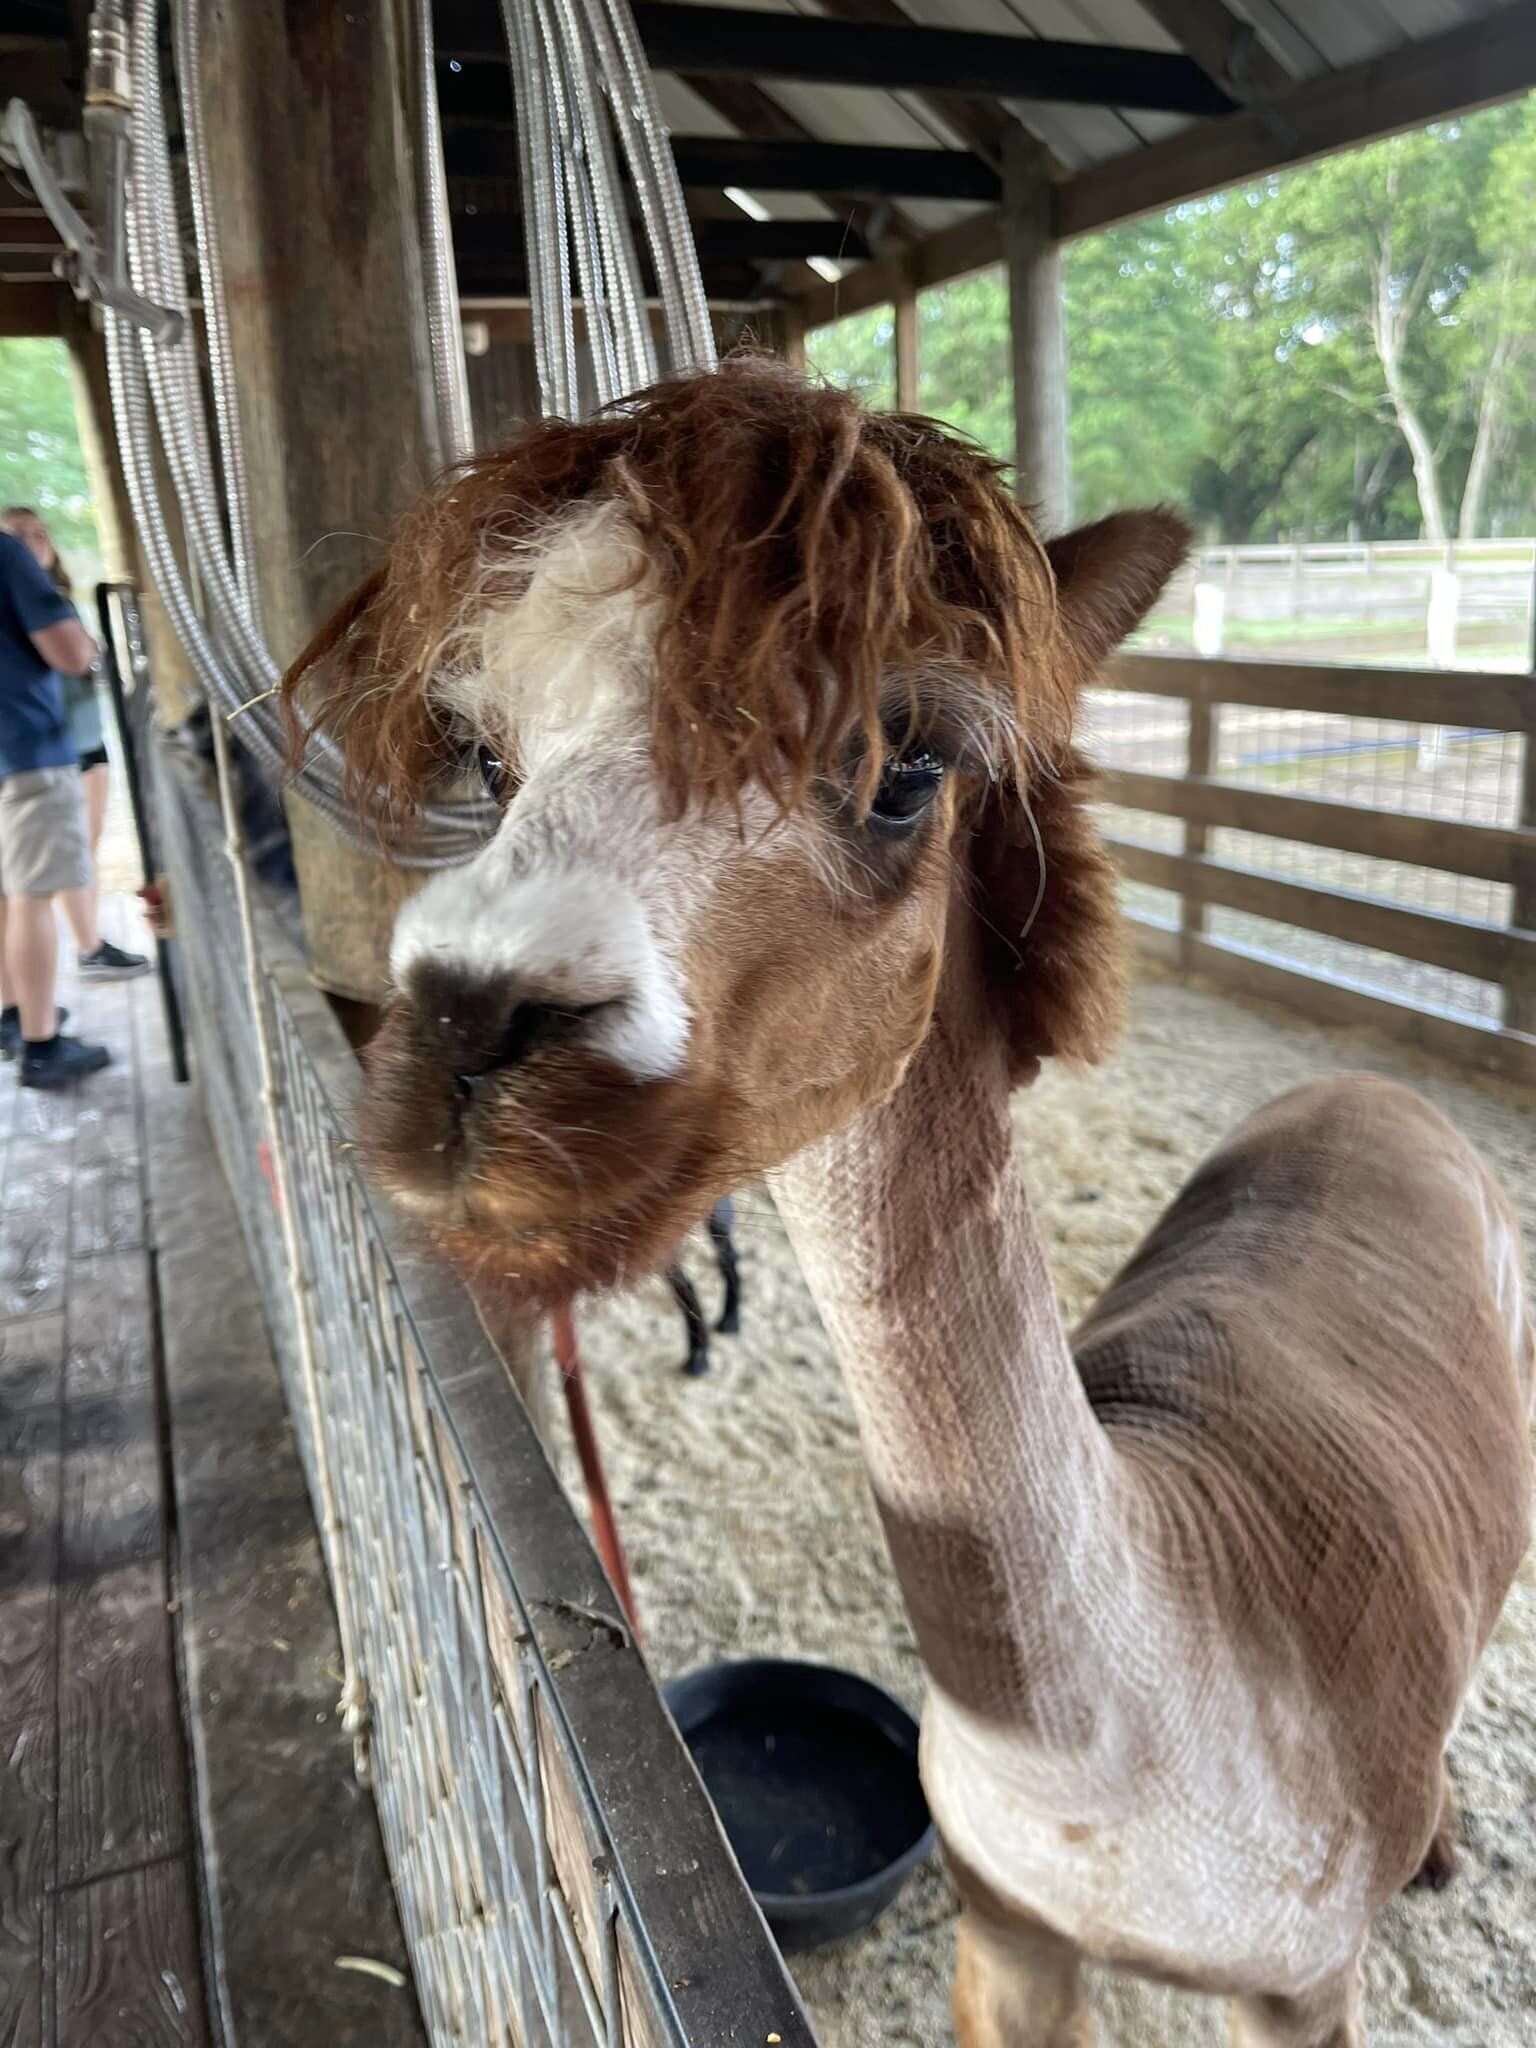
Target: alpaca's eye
column 907, row 787
column 493, row 773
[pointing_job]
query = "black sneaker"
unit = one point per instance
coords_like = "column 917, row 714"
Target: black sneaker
column 10, row 1031
column 111, row 963
column 59, row 1062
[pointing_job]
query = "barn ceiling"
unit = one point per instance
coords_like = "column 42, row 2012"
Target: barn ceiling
column 833, row 148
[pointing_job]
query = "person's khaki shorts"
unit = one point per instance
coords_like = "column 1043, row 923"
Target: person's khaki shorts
column 43, row 845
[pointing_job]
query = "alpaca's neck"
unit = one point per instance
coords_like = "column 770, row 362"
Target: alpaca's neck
column 997, row 1486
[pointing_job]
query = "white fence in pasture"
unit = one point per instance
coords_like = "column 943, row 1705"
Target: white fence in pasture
column 1407, row 603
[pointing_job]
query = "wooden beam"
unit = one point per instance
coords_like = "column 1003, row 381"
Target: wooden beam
column 31, row 308
column 979, row 122
column 97, row 435
column 26, row 233
column 870, row 170
column 1226, row 47
column 1477, row 65
column 968, row 245
column 1411, row 696
column 747, row 107
column 1458, row 944
column 1493, row 853
column 761, row 164
column 498, row 239
column 1038, row 336
column 823, row 50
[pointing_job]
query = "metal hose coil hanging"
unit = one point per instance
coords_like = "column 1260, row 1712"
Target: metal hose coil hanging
column 187, row 18
column 445, row 334
column 577, row 65
column 233, row 661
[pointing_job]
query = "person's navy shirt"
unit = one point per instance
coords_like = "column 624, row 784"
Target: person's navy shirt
column 34, row 728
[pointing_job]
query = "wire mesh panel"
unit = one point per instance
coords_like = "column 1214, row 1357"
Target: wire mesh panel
column 562, row 1880
column 1363, row 837
column 1457, row 774
column 1127, row 729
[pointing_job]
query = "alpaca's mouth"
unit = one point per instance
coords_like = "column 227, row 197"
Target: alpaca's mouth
column 545, row 1263
column 557, row 1177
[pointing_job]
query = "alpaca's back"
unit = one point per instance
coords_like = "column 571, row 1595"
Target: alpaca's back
column 1323, row 1352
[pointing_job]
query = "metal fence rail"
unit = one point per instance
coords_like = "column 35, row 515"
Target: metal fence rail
column 561, row 1876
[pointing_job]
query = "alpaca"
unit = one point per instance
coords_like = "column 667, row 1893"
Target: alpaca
column 797, row 875
column 719, row 1223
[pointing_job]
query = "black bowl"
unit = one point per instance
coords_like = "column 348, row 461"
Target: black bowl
column 813, row 1772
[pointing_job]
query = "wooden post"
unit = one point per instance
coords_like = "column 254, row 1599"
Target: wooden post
column 906, row 345
column 1520, row 994
column 792, row 326
column 1038, row 322
column 310, row 165
column 175, row 685
column 503, row 390
column 1197, row 761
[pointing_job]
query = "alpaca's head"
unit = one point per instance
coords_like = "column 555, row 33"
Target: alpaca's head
column 776, row 695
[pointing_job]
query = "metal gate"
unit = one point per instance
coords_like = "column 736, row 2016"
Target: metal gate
column 561, row 1875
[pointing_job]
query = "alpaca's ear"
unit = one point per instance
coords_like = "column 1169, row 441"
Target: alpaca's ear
column 1109, row 576
column 1046, row 886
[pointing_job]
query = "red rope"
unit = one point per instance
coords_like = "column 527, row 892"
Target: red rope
column 610, row 1548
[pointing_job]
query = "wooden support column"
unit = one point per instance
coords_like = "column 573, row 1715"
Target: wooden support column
column 792, row 327
column 1197, row 762
column 1520, row 992
column 1038, row 323
column 310, row 164
column 906, row 344
column 175, row 685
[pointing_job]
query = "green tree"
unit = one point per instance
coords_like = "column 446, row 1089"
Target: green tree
column 858, row 354
column 1499, row 317
column 1348, row 349
column 964, row 359
column 40, row 460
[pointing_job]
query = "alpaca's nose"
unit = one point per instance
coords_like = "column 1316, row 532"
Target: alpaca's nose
column 528, row 1028
column 473, row 1026
column 493, row 968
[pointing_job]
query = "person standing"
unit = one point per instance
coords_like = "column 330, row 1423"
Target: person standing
column 99, row 959
column 43, row 846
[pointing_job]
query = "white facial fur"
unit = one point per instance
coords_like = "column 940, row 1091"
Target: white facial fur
column 586, row 891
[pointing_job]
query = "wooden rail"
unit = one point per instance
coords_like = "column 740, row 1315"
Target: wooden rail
column 1406, row 696
column 1503, row 954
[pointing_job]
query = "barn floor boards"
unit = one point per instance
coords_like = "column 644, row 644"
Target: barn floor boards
column 184, row 1853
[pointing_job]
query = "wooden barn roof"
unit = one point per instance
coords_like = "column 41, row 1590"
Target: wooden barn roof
column 834, row 149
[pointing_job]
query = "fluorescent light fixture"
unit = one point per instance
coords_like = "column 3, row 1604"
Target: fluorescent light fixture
column 825, row 267
column 754, row 209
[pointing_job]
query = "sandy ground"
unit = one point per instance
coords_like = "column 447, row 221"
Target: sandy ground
column 751, row 1529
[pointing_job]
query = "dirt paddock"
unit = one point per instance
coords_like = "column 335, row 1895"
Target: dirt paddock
column 751, row 1529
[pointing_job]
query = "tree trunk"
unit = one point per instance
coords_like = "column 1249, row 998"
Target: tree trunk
column 1485, row 451
column 1373, row 487
column 1425, row 471
column 1390, row 321
column 1492, row 420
